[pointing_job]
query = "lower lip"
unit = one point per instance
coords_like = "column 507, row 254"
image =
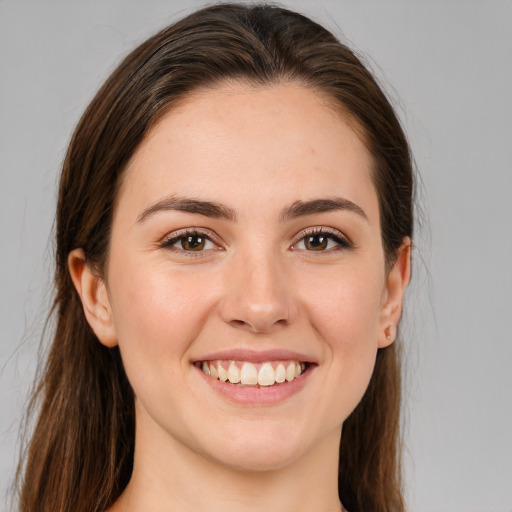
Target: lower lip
column 265, row 395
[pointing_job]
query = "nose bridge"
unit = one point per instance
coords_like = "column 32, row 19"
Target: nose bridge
column 258, row 296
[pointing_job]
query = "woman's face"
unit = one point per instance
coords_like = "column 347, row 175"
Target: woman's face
column 246, row 231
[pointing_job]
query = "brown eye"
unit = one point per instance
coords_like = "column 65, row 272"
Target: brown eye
column 322, row 241
column 316, row 242
column 193, row 243
column 188, row 242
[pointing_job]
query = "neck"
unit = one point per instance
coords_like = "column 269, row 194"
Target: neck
column 168, row 476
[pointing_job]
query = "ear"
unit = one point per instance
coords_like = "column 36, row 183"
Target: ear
column 396, row 283
column 93, row 294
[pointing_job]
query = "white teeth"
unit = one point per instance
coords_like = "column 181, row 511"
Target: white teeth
column 249, row 374
column 290, row 372
column 280, row 373
column 266, row 375
column 233, row 373
column 213, row 370
column 223, row 374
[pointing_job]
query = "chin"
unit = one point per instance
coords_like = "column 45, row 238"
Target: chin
column 261, row 460
column 262, row 449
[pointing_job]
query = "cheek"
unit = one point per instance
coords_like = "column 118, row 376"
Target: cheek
column 344, row 312
column 157, row 315
column 344, row 307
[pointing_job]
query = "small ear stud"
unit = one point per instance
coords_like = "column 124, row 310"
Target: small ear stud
column 388, row 333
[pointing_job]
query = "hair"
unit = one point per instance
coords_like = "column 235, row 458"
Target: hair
column 80, row 456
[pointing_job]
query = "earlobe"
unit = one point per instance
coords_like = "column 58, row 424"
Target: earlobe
column 396, row 284
column 93, row 294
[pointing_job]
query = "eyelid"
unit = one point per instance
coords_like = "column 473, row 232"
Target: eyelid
column 344, row 240
column 167, row 240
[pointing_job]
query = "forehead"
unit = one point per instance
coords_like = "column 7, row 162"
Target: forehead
column 240, row 143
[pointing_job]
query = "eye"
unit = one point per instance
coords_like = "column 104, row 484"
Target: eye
column 321, row 240
column 189, row 241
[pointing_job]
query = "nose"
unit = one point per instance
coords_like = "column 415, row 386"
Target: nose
column 258, row 296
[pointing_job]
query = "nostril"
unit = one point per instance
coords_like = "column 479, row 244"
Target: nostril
column 258, row 326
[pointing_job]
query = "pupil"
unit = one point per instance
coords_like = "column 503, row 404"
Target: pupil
column 193, row 243
column 317, row 242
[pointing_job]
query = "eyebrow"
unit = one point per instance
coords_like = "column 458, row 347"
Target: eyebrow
column 220, row 211
column 189, row 205
column 303, row 208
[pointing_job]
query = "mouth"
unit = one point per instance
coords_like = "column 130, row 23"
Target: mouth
column 254, row 375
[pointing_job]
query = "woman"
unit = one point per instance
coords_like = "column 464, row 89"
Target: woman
column 233, row 244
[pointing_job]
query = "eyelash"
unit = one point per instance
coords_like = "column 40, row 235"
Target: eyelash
column 183, row 234
column 341, row 241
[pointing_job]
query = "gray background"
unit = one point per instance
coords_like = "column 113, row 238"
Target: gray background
column 448, row 67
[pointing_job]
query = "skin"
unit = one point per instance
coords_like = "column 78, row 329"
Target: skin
column 257, row 285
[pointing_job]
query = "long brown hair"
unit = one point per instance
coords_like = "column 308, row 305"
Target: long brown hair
column 80, row 456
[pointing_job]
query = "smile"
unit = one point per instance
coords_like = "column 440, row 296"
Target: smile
column 245, row 373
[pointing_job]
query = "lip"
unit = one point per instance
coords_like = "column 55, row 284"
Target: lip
column 257, row 356
column 271, row 395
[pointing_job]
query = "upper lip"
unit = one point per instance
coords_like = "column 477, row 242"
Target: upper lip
column 255, row 356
